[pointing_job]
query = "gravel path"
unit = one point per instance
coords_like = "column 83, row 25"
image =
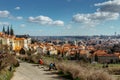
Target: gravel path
column 27, row 71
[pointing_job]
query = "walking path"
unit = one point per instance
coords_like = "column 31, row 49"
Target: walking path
column 27, row 71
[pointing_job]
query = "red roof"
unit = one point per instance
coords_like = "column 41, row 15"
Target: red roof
column 109, row 55
column 100, row 52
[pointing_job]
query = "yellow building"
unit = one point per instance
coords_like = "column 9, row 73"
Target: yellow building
column 13, row 42
column 18, row 43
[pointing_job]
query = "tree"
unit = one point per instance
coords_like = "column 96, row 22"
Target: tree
column 11, row 31
column 22, row 51
column 8, row 32
column 96, row 58
column 3, row 29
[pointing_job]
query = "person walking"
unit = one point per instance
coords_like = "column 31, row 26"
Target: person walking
column 41, row 63
column 52, row 66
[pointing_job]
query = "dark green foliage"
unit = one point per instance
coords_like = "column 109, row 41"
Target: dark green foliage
column 96, row 58
column 8, row 32
column 3, row 29
column 33, row 41
column 29, row 56
column 116, row 48
column 66, row 76
column 11, row 31
column 22, row 51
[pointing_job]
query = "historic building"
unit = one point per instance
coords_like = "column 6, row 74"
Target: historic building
column 15, row 43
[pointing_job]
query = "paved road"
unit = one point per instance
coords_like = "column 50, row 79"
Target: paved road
column 28, row 71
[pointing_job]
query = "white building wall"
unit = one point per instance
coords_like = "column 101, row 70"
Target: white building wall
column 4, row 41
column 8, row 41
column 28, row 40
column 25, row 44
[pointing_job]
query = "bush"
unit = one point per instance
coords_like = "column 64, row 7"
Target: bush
column 7, row 60
column 114, row 70
column 33, row 58
column 83, row 73
column 6, row 75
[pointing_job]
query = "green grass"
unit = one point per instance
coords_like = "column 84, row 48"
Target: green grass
column 6, row 75
column 114, row 65
column 111, row 69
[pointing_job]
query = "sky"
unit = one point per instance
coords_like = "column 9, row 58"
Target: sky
column 61, row 17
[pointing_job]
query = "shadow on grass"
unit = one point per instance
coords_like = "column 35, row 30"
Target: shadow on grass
column 66, row 76
column 61, row 75
column 35, row 65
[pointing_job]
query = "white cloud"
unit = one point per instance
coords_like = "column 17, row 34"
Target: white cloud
column 109, row 10
column 58, row 23
column 4, row 13
column 40, row 19
column 22, row 25
column 15, row 18
column 95, row 17
column 109, row 6
column 110, row 2
column 17, row 8
column 44, row 20
column 4, row 23
column 19, row 18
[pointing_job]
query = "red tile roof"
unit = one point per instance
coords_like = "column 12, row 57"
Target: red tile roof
column 100, row 52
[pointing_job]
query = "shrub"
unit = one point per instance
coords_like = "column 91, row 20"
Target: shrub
column 7, row 60
column 33, row 58
column 114, row 70
column 6, row 75
column 83, row 73
column 7, row 64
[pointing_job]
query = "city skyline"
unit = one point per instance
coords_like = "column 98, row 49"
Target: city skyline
column 61, row 17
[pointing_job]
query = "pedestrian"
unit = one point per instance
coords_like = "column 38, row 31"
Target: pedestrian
column 52, row 66
column 41, row 63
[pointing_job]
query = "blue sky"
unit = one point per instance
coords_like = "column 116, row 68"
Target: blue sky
column 61, row 17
